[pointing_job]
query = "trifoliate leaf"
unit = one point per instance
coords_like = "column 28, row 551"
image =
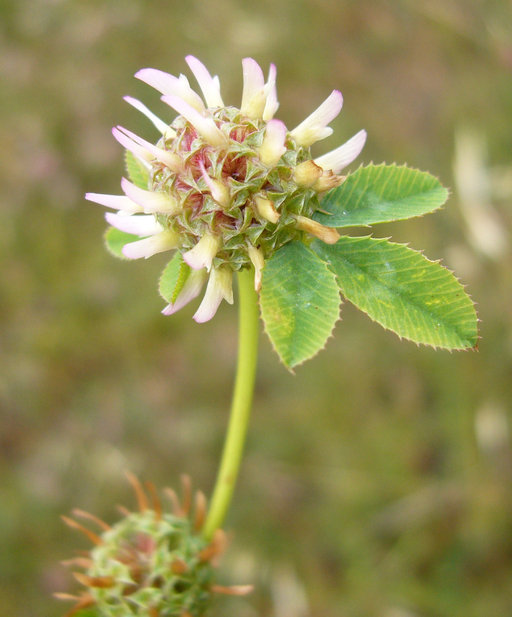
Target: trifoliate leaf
column 173, row 278
column 116, row 239
column 299, row 302
column 403, row 291
column 136, row 171
column 381, row 193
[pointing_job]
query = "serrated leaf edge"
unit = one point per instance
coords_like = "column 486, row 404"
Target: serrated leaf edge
column 402, row 338
column 397, row 166
column 290, row 369
column 109, row 250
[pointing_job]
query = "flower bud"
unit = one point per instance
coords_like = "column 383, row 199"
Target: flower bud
column 327, row 181
column 329, row 235
column 266, row 210
column 258, row 261
column 151, row 562
column 307, row 173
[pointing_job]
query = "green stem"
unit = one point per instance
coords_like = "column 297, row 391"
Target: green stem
column 248, row 330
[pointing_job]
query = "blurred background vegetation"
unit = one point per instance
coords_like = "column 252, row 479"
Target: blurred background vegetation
column 377, row 480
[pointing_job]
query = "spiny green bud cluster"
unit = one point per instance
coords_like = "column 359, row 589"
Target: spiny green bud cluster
column 151, row 563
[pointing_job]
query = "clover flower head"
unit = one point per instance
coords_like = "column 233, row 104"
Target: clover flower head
column 224, row 187
column 151, row 563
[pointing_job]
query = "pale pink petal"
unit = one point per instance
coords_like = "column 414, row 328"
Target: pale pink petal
column 145, row 150
column 314, row 127
column 160, row 125
column 206, row 127
column 164, row 241
column 273, row 145
column 142, row 225
column 342, row 156
column 191, row 290
column 220, row 287
column 150, row 201
column 208, row 84
column 202, row 254
column 271, row 103
column 117, row 202
column 253, row 94
column 139, row 151
column 169, row 85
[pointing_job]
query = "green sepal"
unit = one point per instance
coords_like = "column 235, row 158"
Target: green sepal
column 173, row 278
column 403, row 291
column 136, row 171
column 381, row 193
column 299, row 301
column 115, row 239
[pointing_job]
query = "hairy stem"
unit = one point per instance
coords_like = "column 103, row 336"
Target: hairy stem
column 248, row 330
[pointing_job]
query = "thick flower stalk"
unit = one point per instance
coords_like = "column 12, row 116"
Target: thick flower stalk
column 225, row 187
column 151, row 563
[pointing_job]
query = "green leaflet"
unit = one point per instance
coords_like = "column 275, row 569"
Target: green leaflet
column 173, row 278
column 403, row 291
column 299, row 302
column 116, row 239
column 381, row 193
column 136, row 171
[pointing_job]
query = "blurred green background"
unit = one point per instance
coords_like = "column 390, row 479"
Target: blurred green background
column 377, row 481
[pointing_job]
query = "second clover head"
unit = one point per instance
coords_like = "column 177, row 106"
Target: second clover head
column 224, row 187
